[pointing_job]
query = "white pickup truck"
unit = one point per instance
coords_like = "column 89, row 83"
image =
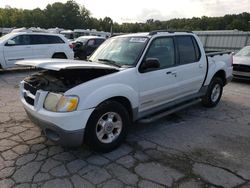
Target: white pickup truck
column 136, row 77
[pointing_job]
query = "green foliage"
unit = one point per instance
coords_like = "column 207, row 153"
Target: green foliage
column 71, row 15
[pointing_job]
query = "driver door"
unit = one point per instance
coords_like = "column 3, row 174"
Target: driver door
column 159, row 86
column 18, row 48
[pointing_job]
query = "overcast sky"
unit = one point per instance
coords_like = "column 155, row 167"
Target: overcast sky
column 141, row 10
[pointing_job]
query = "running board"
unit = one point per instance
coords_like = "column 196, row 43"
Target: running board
column 170, row 111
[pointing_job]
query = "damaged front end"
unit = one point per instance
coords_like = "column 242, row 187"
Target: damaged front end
column 58, row 81
column 65, row 79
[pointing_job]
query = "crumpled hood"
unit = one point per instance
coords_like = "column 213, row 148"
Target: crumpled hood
column 60, row 64
column 241, row 60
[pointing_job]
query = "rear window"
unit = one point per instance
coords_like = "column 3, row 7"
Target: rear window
column 54, row 40
column 45, row 39
column 188, row 49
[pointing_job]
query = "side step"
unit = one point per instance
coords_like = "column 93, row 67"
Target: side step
column 160, row 115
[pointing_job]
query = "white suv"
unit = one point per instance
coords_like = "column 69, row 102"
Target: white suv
column 28, row 45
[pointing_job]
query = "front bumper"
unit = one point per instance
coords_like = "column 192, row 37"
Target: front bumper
column 66, row 128
column 56, row 134
column 241, row 75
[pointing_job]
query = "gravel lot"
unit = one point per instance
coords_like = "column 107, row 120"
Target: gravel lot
column 196, row 147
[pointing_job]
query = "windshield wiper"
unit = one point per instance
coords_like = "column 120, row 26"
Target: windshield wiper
column 110, row 62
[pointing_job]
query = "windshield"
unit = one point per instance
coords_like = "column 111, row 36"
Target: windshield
column 120, row 51
column 244, row 52
column 4, row 37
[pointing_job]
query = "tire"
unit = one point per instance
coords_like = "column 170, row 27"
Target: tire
column 107, row 126
column 214, row 92
column 59, row 56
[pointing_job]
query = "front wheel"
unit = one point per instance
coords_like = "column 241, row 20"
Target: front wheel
column 214, row 92
column 107, row 126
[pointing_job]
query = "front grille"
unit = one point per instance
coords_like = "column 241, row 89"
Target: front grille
column 242, row 68
column 30, row 88
column 29, row 100
column 29, row 93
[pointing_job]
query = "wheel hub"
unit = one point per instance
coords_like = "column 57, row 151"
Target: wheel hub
column 215, row 93
column 109, row 127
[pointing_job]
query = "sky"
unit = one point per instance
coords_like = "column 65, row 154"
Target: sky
column 141, row 10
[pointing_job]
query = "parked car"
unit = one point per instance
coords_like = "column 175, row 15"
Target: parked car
column 86, row 45
column 241, row 64
column 136, row 77
column 27, row 45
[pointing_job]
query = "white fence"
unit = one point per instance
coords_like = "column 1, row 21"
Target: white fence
column 232, row 40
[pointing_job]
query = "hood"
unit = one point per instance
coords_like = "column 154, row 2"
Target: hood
column 62, row 64
column 241, row 60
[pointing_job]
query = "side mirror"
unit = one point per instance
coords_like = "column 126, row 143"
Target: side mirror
column 150, row 63
column 10, row 43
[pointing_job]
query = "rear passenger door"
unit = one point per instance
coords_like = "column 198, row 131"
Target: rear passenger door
column 19, row 50
column 44, row 46
column 191, row 69
column 40, row 45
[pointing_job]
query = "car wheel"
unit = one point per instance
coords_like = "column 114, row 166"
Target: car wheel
column 214, row 92
column 107, row 126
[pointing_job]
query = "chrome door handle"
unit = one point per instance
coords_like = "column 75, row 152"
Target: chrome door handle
column 174, row 74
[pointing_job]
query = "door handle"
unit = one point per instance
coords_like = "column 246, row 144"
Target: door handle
column 172, row 73
column 200, row 66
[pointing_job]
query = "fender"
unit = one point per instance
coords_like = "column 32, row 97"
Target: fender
column 214, row 67
column 96, row 97
column 110, row 91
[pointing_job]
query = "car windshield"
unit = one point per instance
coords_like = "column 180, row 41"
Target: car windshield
column 4, row 37
column 120, row 51
column 244, row 52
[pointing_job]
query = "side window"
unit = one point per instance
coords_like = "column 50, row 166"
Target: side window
column 197, row 49
column 188, row 52
column 54, row 40
column 21, row 40
column 91, row 42
column 46, row 39
column 163, row 49
column 99, row 41
column 39, row 39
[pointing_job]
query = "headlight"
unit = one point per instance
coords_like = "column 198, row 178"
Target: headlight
column 59, row 103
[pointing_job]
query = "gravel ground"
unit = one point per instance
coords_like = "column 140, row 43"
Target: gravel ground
column 196, row 147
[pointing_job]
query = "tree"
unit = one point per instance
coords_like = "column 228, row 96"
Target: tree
column 106, row 24
column 71, row 15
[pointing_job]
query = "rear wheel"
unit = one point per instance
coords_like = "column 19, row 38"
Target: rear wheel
column 107, row 126
column 214, row 93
